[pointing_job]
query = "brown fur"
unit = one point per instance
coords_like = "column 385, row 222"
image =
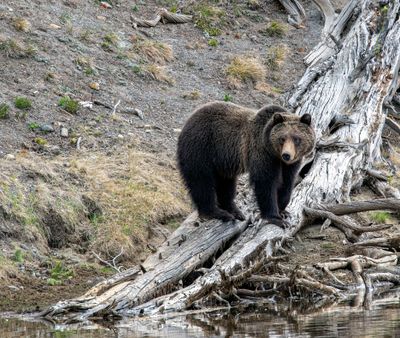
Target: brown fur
column 222, row 140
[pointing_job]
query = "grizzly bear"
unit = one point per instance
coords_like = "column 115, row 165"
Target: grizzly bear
column 222, row 140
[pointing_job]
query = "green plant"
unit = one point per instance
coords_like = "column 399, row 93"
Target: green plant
column 22, row 103
column 276, row 56
column 59, row 273
column 40, row 141
column 4, row 108
column 33, row 126
column 68, row 104
column 380, row 216
column 18, row 256
column 276, row 28
column 137, row 69
column 213, row 42
column 209, row 19
column 228, row 98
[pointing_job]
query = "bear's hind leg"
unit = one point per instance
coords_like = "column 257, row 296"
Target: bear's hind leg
column 203, row 193
column 226, row 193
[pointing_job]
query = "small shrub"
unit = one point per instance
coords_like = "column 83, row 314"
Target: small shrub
column 33, row 126
column 193, row 95
column 22, row 25
column 276, row 56
column 243, row 69
column 137, row 69
column 209, row 19
column 59, row 273
column 16, row 49
column 158, row 73
column 380, row 216
column 69, row 105
column 22, row 103
column 40, row 141
column 228, row 98
column 4, row 114
column 213, row 42
column 18, row 256
column 276, row 28
column 155, row 51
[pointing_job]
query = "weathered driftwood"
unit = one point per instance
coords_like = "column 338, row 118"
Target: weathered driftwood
column 343, row 83
column 297, row 14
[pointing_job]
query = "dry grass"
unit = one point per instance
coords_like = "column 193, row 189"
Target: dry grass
column 30, row 190
column 244, row 69
column 158, row 73
column 133, row 193
column 15, row 49
column 154, row 51
column 22, row 25
column 134, row 190
column 276, row 56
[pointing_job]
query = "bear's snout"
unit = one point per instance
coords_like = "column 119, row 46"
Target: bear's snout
column 286, row 157
column 288, row 152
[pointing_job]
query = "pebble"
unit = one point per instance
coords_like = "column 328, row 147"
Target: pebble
column 54, row 26
column 139, row 113
column 13, row 287
column 105, row 5
column 64, row 132
column 120, row 136
column 47, row 128
column 9, row 157
column 94, row 86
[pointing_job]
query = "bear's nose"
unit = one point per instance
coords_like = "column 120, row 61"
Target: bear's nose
column 286, row 157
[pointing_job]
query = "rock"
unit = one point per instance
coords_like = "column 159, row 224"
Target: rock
column 10, row 157
column 94, row 85
column 139, row 113
column 106, row 5
column 133, row 111
column 64, row 132
column 54, row 26
column 177, row 130
column 47, row 128
column 13, row 287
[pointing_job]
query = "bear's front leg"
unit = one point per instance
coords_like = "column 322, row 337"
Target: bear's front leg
column 266, row 192
column 289, row 174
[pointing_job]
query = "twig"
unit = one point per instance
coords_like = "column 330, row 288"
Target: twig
column 393, row 125
column 113, row 265
column 115, row 108
column 78, row 143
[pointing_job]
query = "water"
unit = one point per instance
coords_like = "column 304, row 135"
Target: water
column 381, row 320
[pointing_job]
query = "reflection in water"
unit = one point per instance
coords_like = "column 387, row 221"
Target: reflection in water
column 381, row 320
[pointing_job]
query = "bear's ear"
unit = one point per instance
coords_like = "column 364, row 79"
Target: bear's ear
column 306, row 118
column 278, row 118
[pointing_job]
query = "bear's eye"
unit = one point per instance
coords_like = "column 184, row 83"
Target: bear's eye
column 296, row 140
column 281, row 140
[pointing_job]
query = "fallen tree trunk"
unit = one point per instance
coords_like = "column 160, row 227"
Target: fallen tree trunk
column 203, row 260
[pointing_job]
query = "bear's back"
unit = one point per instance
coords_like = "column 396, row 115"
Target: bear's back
column 214, row 134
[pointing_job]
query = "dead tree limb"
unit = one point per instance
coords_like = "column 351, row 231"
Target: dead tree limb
column 361, row 206
column 297, row 14
column 348, row 84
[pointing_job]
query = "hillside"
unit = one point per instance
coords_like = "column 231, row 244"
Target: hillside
column 90, row 113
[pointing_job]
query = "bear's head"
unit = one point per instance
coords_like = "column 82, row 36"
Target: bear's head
column 291, row 136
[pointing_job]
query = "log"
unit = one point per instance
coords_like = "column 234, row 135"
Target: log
column 204, row 259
